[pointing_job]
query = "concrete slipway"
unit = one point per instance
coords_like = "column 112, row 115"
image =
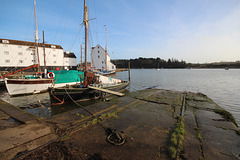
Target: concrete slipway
column 148, row 120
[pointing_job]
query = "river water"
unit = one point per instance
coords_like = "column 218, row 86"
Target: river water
column 222, row 86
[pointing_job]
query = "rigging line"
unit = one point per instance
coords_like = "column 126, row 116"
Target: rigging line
column 66, row 21
column 90, row 38
column 94, row 6
column 76, row 36
column 61, row 20
column 29, row 21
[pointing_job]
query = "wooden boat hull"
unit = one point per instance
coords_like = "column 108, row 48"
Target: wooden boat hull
column 65, row 94
column 27, row 86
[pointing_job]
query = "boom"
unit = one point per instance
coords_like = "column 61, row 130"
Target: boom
column 8, row 74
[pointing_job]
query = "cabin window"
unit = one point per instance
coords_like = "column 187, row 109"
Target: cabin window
column 6, row 53
column 7, row 61
column 20, row 61
column 20, row 53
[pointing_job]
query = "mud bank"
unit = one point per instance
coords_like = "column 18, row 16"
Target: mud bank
column 155, row 124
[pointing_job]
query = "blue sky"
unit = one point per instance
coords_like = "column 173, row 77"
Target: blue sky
column 196, row 31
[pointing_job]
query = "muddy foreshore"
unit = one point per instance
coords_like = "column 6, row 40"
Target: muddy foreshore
column 154, row 124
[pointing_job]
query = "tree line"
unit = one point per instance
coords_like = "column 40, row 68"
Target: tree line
column 170, row 63
column 149, row 63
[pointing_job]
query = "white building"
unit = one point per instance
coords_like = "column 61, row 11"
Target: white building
column 98, row 59
column 69, row 60
column 19, row 54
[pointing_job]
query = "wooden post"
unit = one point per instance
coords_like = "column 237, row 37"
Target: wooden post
column 129, row 70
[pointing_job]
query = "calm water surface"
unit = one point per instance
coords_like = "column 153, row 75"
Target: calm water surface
column 222, row 86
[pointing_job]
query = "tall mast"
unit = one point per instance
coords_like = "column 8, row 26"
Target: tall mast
column 81, row 56
column 36, row 34
column 44, row 51
column 85, row 21
column 106, row 47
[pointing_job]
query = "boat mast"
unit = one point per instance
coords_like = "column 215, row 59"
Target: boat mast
column 81, row 56
column 44, row 52
column 85, row 21
column 106, row 47
column 36, row 35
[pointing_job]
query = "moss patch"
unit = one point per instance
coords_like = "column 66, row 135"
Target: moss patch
column 226, row 115
column 176, row 140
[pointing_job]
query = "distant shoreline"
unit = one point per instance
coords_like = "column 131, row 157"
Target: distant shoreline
column 149, row 63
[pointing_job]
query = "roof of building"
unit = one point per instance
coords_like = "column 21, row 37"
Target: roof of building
column 26, row 43
column 69, row 55
column 101, row 47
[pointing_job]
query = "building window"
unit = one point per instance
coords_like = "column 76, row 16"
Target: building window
column 19, row 46
column 33, row 53
column 98, row 56
column 5, row 41
column 66, row 61
column 98, row 51
column 102, row 62
column 7, row 61
column 5, row 45
column 54, row 62
column 52, row 46
column 33, row 61
column 54, row 55
column 6, row 53
column 19, row 53
column 28, row 49
column 20, row 61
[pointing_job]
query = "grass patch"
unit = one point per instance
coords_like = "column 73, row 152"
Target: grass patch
column 176, row 140
column 226, row 115
column 199, row 136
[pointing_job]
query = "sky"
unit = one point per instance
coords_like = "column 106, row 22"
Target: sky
column 196, row 31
